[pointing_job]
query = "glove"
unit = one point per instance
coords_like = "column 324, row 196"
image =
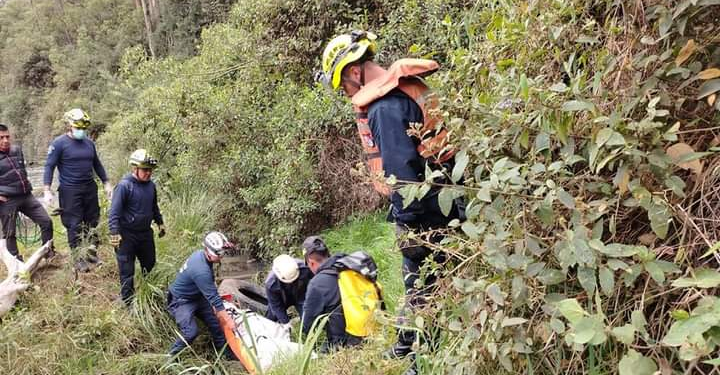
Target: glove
column 225, row 319
column 48, row 198
column 115, row 240
column 288, row 327
column 108, row 190
column 161, row 231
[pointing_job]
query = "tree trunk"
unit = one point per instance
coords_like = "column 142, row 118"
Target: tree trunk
column 148, row 27
column 18, row 279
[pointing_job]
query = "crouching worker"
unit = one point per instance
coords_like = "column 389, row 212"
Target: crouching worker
column 286, row 286
column 194, row 294
column 134, row 207
column 345, row 289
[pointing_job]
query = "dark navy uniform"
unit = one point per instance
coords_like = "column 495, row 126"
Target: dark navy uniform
column 76, row 160
column 323, row 297
column 389, row 118
column 281, row 295
column 134, row 207
column 194, row 294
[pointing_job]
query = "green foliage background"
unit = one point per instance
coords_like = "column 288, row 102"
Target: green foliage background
column 589, row 131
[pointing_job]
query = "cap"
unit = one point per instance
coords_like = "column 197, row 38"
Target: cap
column 314, row 244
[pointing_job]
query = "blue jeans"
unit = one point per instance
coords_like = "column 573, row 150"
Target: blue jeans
column 184, row 311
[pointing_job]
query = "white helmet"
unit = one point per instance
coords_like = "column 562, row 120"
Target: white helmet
column 285, row 268
column 216, row 243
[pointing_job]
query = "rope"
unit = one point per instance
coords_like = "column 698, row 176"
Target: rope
column 27, row 232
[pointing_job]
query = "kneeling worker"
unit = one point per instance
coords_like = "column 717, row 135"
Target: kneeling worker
column 344, row 288
column 285, row 286
column 134, row 207
column 194, row 294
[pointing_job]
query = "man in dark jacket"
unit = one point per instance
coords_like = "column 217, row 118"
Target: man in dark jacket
column 134, row 207
column 323, row 296
column 285, row 286
column 348, row 66
column 76, row 158
column 194, row 294
column 16, row 194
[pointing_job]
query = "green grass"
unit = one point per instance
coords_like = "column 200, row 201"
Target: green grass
column 376, row 237
column 68, row 324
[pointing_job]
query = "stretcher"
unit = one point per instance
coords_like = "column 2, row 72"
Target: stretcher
column 256, row 341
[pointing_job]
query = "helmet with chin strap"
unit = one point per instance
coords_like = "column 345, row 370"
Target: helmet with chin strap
column 77, row 118
column 217, row 244
column 340, row 52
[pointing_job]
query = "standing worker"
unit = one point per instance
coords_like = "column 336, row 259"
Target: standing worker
column 16, row 195
column 285, row 286
column 389, row 104
column 134, row 207
column 194, row 294
column 75, row 157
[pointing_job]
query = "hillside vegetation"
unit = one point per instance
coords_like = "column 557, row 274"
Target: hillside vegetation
column 589, row 132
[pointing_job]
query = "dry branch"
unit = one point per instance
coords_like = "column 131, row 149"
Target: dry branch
column 18, row 279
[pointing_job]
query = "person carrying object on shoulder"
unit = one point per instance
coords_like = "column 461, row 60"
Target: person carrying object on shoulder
column 323, row 296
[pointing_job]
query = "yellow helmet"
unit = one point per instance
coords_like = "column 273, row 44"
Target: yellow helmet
column 343, row 50
column 77, row 118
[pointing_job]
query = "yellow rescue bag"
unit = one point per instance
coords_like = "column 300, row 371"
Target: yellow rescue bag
column 360, row 292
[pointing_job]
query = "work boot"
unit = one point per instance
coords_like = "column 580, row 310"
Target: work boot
column 82, row 266
column 398, row 350
column 91, row 255
column 51, row 253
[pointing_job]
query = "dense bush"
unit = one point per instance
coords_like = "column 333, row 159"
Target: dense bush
column 588, row 129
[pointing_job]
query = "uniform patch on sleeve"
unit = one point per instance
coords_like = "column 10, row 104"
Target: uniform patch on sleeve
column 51, row 149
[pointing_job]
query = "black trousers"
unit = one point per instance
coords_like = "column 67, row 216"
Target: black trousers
column 80, row 213
column 134, row 245
column 30, row 207
column 414, row 255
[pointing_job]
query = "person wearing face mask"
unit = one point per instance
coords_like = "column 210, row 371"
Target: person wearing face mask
column 16, row 195
column 134, row 207
column 76, row 158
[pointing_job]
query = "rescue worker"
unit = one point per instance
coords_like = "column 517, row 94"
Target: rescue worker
column 75, row 157
column 16, row 195
column 390, row 104
column 134, row 207
column 285, row 286
column 323, row 296
column 194, row 294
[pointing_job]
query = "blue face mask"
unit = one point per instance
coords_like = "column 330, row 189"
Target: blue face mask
column 78, row 133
